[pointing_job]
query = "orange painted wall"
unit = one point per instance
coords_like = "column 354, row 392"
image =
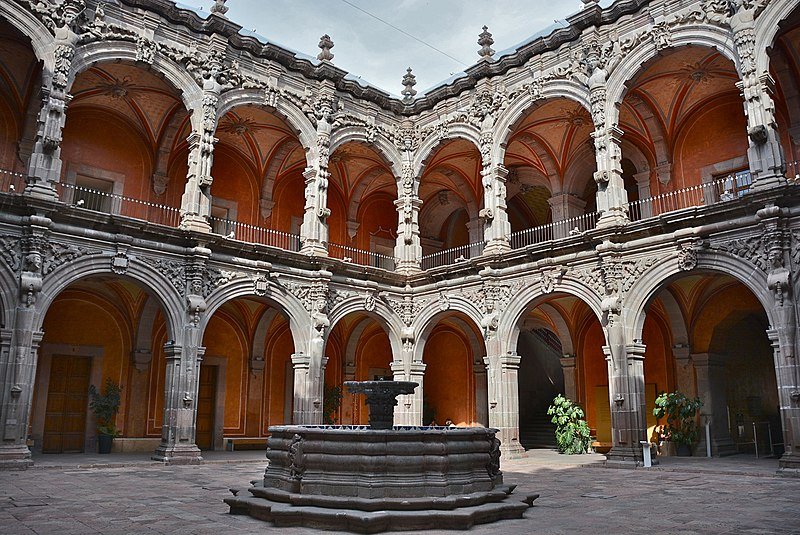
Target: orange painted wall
column 449, row 383
column 593, row 369
column 376, row 212
column 705, row 320
column 658, row 360
column 106, row 141
column 289, row 196
column 223, row 339
column 234, row 181
column 373, row 352
column 714, row 134
column 279, row 349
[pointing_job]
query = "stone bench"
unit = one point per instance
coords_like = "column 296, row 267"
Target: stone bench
column 244, row 443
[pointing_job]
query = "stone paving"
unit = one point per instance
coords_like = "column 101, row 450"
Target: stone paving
column 130, row 495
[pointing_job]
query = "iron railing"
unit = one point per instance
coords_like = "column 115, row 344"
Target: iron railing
column 234, row 230
column 361, row 257
column 554, row 230
column 111, row 203
column 453, row 255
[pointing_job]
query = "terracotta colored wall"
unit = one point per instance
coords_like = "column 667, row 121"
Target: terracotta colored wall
column 705, row 320
column 376, row 212
column 714, row 134
column 592, row 369
column 105, row 141
column 222, row 339
column 279, row 349
column 9, row 135
column 234, row 181
column 658, row 360
column 449, row 383
column 373, row 352
column 289, row 197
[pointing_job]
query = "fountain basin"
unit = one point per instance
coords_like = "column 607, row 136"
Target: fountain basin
column 367, row 480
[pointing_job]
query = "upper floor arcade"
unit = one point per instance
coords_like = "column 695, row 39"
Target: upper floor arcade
column 640, row 114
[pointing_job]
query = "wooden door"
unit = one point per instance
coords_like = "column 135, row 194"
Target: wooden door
column 206, row 401
column 67, row 401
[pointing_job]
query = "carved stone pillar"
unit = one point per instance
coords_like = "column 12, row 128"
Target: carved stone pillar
column 44, row 168
column 409, row 406
column 765, row 152
column 787, row 372
column 408, row 250
column 196, row 199
column 309, row 379
column 314, row 230
column 481, row 393
column 612, row 199
column 181, row 384
column 503, row 390
column 710, row 369
column 570, row 385
column 497, row 229
column 684, row 370
column 627, row 401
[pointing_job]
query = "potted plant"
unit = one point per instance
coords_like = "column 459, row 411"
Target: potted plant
column 680, row 413
column 572, row 431
column 105, row 407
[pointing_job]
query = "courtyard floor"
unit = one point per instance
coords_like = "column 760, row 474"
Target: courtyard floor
column 128, row 494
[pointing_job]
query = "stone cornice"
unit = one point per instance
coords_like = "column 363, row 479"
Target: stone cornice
column 588, row 17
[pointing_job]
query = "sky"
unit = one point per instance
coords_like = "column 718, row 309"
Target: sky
column 378, row 54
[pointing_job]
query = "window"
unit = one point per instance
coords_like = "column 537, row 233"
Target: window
column 735, row 184
column 223, row 216
column 94, row 193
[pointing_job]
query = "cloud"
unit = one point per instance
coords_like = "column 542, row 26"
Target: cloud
column 379, row 54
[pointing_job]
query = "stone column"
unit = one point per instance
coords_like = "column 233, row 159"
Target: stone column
column 409, row 406
column 612, row 199
column 481, row 393
column 44, row 168
column 309, row 380
column 643, row 184
column 182, row 377
column 408, row 250
column 765, row 152
column 504, row 401
column 314, row 230
column 497, row 229
column 710, row 369
column 787, row 372
column 627, row 401
column 684, row 370
column 196, row 199
column 570, row 385
column 19, row 347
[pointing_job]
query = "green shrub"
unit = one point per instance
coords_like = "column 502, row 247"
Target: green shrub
column 332, row 398
column 105, row 407
column 572, row 431
column 680, row 411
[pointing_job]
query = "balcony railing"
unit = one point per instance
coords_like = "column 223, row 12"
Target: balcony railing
column 111, row 203
column 234, row 230
column 361, row 257
column 454, row 255
column 553, row 230
column 720, row 190
column 11, row 181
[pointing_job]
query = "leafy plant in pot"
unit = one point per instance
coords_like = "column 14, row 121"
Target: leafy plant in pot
column 105, row 407
column 681, row 425
column 572, row 431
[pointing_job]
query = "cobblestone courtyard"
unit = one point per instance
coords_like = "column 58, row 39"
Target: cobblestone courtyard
column 736, row 495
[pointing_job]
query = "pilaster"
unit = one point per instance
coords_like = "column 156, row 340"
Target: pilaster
column 627, row 402
column 409, row 407
column 710, row 369
column 612, row 199
column 408, row 250
column 196, row 199
column 570, row 384
column 504, row 402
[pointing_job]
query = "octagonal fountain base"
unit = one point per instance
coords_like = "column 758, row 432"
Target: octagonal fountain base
column 366, row 480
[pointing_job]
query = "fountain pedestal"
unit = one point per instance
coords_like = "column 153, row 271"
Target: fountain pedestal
column 368, row 480
column 381, row 399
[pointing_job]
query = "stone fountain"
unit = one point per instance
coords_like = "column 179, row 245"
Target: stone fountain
column 380, row 477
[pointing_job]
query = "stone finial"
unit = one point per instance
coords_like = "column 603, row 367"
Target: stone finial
column 409, row 81
column 486, row 42
column 325, row 43
column 219, row 8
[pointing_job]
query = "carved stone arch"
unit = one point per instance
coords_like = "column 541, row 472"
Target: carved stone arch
column 549, row 163
column 383, row 314
column 357, row 134
column 768, row 27
column 42, row 41
column 157, row 285
column 534, row 177
column 175, row 75
column 643, row 54
column 432, row 216
column 655, row 128
column 355, row 337
column 521, row 107
column 475, row 342
column 285, row 302
column 294, row 117
column 431, row 314
column 9, row 290
column 649, row 284
column 532, row 296
column 261, row 330
column 632, row 152
column 276, row 160
column 433, row 142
